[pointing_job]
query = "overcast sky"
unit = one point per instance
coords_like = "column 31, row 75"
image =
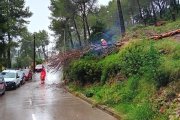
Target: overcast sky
column 40, row 19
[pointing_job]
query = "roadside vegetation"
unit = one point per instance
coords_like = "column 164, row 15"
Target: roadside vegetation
column 16, row 41
column 140, row 81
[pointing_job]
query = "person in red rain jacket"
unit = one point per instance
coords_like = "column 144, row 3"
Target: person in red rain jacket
column 43, row 75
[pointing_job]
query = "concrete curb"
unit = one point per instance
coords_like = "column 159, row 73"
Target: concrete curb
column 94, row 104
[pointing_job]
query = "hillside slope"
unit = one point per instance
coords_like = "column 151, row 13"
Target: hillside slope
column 141, row 81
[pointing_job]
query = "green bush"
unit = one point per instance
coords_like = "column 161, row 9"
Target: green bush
column 84, row 71
column 110, row 67
column 138, row 58
column 129, row 91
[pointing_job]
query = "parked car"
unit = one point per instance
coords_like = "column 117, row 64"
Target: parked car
column 11, row 78
column 21, row 74
column 38, row 68
column 28, row 74
column 2, row 85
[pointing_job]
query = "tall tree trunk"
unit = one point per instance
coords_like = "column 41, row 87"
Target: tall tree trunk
column 70, row 36
column 160, row 9
column 154, row 13
column 77, row 32
column 132, row 14
column 121, row 18
column 85, row 18
column 87, row 26
column 84, row 24
column 176, row 7
column 84, row 27
column 140, row 12
column 172, row 9
column 9, row 51
column 4, row 48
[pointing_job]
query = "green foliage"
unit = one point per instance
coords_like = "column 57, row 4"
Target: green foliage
column 97, row 33
column 27, row 44
column 142, row 112
column 169, row 26
column 169, row 48
column 39, row 61
column 170, row 57
column 23, row 62
column 138, row 58
column 85, row 71
column 13, row 20
column 110, row 67
column 130, row 97
column 130, row 91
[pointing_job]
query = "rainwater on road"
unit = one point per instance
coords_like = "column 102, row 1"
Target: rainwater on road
column 34, row 101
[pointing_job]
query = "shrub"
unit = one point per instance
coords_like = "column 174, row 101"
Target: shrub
column 168, row 72
column 110, row 67
column 84, row 71
column 138, row 58
column 129, row 91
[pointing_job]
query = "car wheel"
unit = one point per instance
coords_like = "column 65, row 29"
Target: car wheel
column 18, row 84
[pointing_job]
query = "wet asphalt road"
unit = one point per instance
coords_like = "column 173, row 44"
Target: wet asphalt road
column 34, row 101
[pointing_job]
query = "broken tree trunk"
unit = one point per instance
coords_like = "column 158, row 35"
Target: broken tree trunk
column 164, row 35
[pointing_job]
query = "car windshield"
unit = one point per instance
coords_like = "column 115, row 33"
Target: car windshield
column 9, row 75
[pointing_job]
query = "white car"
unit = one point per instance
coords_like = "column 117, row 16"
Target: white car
column 11, row 78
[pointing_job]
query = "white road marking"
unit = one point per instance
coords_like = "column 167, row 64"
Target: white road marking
column 34, row 117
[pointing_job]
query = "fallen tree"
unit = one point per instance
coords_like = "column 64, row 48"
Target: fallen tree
column 64, row 58
column 164, row 35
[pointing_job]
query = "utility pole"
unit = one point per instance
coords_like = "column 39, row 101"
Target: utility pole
column 34, row 56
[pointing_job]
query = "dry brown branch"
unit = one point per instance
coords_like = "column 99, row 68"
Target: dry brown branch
column 64, row 58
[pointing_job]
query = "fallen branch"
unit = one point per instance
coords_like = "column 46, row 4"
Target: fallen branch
column 164, row 35
column 63, row 58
